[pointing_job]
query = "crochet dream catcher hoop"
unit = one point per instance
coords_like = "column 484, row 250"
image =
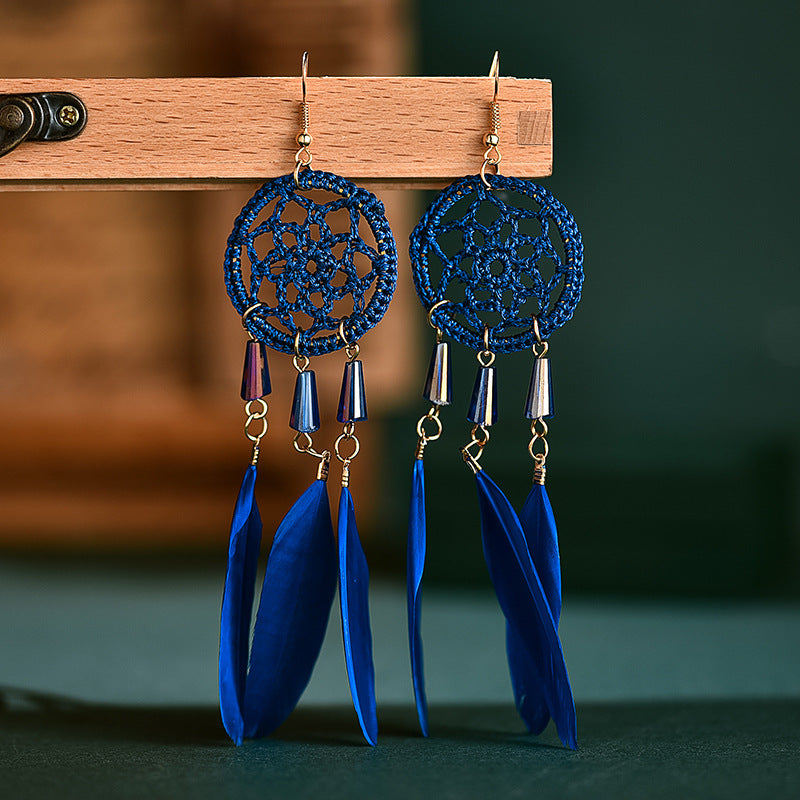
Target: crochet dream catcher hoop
column 497, row 256
column 312, row 268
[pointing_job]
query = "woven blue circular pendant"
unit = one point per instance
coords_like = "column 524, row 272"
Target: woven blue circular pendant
column 499, row 257
column 315, row 260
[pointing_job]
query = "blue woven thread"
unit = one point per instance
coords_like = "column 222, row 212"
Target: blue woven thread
column 294, row 246
column 506, row 293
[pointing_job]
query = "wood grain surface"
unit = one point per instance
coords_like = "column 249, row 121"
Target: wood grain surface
column 197, row 133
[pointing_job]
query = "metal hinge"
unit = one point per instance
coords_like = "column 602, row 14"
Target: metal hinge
column 39, row 117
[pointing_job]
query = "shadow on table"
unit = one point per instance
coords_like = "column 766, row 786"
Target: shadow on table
column 25, row 712
column 692, row 750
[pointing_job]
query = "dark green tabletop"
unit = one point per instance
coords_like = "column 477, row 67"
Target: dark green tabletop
column 723, row 749
column 110, row 691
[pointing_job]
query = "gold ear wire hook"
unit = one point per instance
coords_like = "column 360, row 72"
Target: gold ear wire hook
column 494, row 72
column 492, row 157
column 304, row 73
column 303, row 158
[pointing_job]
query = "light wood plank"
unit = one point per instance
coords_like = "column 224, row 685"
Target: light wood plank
column 181, row 133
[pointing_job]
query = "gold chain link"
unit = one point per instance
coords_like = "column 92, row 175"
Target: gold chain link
column 347, row 435
column 254, row 416
column 478, row 443
column 303, row 443
column 424, row 437
column 539, row 431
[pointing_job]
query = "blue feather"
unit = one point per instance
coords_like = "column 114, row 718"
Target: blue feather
column 415, row 568
column 296, row 598
column 539, row 528
column 522, row 598
column 354, row 599
column 237, row 607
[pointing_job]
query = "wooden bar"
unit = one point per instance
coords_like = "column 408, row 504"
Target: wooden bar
column 200, row 133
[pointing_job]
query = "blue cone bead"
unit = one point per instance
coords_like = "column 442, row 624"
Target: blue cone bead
column 483, row 406
column 305, row 407
column 353, row 398
column 439, row 383
column 539, row 402
column 255, row 377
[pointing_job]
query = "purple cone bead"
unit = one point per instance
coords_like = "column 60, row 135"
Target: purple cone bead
column 353, row 398
column 483, row 406
column 305, row 406
column 255, row 378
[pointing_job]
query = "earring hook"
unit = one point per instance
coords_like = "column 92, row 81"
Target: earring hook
column 494, row 72
column 304, row 73
column 492, row 157
column 303, row 158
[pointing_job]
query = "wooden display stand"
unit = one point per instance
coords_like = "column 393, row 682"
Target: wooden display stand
column 217, row 133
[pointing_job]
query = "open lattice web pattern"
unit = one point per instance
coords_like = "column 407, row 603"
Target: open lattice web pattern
column 500, row 271
column 312, row 267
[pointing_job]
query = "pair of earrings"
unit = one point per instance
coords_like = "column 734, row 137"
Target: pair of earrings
column 312, row 272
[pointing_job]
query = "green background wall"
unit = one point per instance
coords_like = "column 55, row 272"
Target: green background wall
column 674, row 464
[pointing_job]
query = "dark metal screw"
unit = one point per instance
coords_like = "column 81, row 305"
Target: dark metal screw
column 68, row 116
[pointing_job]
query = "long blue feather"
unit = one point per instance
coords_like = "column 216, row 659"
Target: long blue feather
column 354, row 599
column 523, row 601
column 539, row 528
column 237, row 607
column 415, row 568
column 296, row 598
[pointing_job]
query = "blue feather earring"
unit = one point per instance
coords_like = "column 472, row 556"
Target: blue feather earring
column 310, row 270
column 493, row 246
column 439, row 392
